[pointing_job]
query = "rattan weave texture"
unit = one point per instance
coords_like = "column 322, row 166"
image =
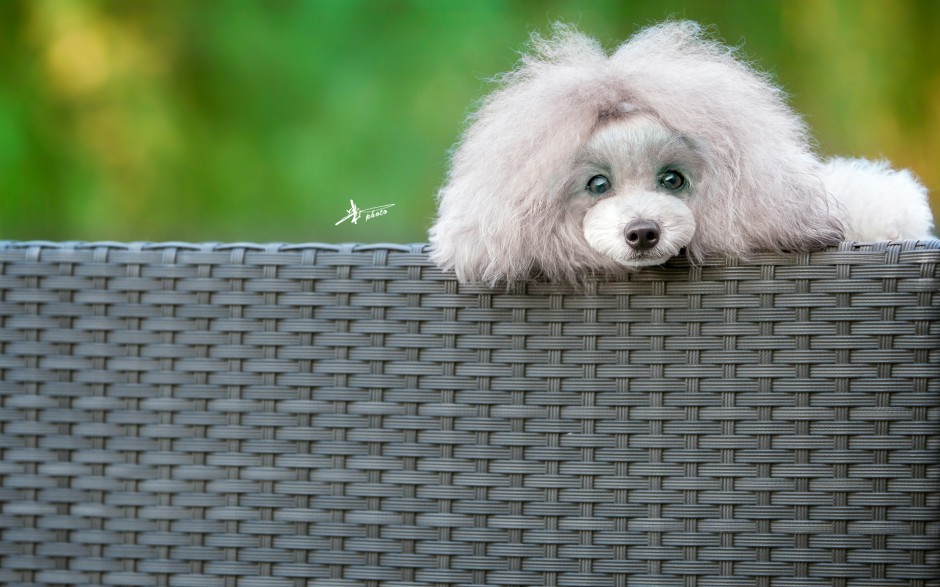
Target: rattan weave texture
column 200, row 415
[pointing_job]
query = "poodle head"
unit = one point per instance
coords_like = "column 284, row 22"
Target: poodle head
column 583, row 162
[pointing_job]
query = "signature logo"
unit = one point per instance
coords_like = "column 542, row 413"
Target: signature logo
column 355, row 213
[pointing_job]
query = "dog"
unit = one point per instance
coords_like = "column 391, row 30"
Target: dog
column 582, row 163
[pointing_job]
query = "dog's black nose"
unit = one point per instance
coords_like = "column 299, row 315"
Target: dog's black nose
column 642, row 235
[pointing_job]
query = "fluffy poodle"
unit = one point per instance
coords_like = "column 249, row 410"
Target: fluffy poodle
column 585, row 163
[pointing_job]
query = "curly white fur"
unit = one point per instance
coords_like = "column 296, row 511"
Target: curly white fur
column 517, row 200
column 878, row 203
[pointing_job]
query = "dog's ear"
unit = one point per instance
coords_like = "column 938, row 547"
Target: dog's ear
column 773, row 206
column 502, row 194
column 763, row 191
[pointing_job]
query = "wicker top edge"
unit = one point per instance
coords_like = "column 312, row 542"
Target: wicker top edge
column 877, row 246
column 210, row 246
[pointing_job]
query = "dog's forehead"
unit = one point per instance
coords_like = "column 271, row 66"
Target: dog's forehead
column 635, row 130
column 638, row 144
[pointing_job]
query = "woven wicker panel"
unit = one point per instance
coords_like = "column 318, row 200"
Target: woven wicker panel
column 349, row 416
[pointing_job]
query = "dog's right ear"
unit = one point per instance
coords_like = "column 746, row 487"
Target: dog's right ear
column 500, row 207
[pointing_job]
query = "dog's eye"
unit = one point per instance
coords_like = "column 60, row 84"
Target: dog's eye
column 672, row 180
column 598, row 184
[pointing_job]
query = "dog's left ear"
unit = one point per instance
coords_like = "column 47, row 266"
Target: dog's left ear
column 777, row 202
column 500, row 209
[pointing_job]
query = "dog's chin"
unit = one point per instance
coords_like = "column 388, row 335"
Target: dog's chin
column 630, row 259
column 644, row 260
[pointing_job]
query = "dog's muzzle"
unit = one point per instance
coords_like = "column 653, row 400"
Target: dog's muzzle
column 639, row 229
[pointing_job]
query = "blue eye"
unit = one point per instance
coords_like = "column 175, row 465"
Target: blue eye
column 672, row 180
column 597, row 185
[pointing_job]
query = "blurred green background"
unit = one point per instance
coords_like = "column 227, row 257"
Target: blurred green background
column 259, row 121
